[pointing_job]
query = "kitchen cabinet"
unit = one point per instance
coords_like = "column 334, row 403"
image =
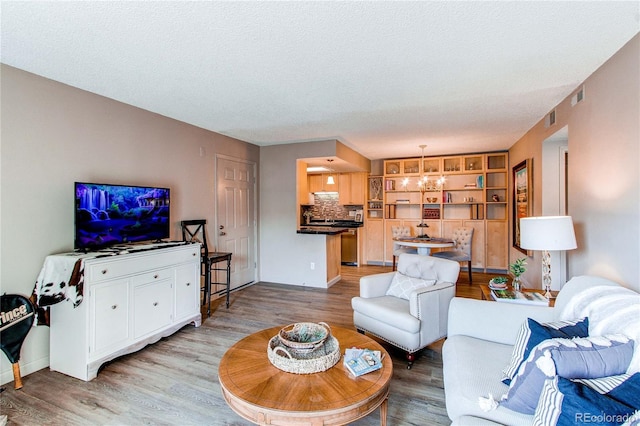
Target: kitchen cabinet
column 318, row 183
column 351, row 188
column 374, row 241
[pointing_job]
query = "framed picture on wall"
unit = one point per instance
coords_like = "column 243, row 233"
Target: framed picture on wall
column 522, row 197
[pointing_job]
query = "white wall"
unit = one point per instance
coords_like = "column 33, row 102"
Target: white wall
column 285, row 256
column 53, row 135
column 604, row 177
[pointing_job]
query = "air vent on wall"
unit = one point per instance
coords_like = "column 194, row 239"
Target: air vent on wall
column 578, row 96
column 550, row 119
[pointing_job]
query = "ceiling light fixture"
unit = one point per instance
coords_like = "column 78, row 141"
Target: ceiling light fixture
column 330, row 180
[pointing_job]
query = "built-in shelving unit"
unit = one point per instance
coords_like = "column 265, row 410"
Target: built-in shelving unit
column 474, row 193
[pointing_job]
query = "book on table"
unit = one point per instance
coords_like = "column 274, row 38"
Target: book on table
column 514, row 296
column 361, row 361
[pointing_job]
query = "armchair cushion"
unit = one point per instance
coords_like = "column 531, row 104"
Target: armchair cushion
column 389, row 310
column 403, row 285
column 418, row 267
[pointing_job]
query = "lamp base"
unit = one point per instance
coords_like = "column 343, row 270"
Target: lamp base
column 546, row 273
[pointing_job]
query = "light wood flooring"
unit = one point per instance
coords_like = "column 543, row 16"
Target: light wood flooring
column 175, row 381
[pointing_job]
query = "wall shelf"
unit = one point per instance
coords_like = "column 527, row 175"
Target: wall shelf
column 473, row 183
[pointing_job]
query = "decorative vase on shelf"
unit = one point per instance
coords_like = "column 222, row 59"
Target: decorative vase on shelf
column 518, row 268
column 516, row 284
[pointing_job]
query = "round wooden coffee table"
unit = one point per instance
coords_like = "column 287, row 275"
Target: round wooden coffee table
column 264, row 394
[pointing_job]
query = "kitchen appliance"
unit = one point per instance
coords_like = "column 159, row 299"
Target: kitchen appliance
column 349, row 242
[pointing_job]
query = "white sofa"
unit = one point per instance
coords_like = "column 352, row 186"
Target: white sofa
column 481, row 335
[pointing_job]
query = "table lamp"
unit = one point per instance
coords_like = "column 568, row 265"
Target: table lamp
column 547, row 233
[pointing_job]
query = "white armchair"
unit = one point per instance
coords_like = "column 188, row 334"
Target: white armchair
column 409, row 307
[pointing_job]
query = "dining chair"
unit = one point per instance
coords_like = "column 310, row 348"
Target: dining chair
column 396, row 232
column 463, row 240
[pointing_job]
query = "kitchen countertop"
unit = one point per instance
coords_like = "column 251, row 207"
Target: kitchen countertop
column 334, row 224
column 321, row 230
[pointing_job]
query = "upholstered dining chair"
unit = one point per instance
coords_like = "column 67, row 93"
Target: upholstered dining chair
column 396, row 232
column 463, row 239
column 409, row 308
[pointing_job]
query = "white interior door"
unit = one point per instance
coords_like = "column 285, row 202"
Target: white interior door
column 236, row 217
column 555, row 154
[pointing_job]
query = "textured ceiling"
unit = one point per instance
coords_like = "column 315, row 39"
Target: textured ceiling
column 381, row 77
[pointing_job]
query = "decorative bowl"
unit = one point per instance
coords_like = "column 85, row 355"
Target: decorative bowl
column 431, row 199
column 304, row 336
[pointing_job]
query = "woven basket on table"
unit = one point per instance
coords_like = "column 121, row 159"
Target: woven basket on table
column 304, row 360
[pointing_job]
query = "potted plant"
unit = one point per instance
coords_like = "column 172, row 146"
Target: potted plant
column 498, row 283
column 307, row 216
column 518, row 268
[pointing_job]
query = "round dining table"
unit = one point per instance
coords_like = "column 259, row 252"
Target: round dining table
column 422, row 244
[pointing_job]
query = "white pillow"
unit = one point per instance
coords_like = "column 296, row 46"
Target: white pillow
column 403, row 285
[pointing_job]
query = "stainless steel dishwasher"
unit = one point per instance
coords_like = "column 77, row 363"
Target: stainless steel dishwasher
column 349, row 244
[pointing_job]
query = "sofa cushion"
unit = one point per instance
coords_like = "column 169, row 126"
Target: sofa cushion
column 611, row 310
column 473, row 368
column 532, row 333
column 403, row 285
column 590, row 357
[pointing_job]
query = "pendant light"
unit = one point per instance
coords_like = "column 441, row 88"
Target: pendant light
column 330, row 180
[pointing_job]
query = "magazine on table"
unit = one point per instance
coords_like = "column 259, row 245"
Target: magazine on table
column 361, row 361
column 525, row 297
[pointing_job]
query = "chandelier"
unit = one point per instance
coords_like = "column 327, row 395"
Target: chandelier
column 424, row 183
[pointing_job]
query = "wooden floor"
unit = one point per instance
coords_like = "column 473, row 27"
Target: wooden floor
column 175, row 381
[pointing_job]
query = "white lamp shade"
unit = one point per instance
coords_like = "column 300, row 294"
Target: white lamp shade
column 547, row 233
column 330, row 180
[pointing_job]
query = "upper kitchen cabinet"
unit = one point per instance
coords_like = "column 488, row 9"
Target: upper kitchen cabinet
column 318, row 183
column 352, row 188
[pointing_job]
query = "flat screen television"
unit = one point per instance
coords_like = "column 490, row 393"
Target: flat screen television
column 107, row 215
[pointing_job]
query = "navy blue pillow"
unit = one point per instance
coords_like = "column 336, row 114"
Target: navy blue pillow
column 533, row 333
column 628, row 392
column 564, row 402
column 578, row 358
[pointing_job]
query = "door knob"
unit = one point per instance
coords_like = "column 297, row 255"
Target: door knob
column 223, row 233
column 221, row 226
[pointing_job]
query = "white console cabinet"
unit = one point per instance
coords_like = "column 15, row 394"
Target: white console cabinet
column 130, row 300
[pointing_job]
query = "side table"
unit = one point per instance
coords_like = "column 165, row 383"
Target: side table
column 486, row 293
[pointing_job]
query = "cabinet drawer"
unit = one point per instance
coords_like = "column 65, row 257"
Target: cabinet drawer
column 135, row 263
column 153, row 276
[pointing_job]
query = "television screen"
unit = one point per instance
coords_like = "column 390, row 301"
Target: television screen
column 106, row 215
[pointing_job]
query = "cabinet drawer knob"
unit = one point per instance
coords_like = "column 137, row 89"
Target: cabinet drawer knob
column 155, row 303
column 114, row 306
column 193, row 254
column 104, row 271
column 188, row 284
column 155, row 277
